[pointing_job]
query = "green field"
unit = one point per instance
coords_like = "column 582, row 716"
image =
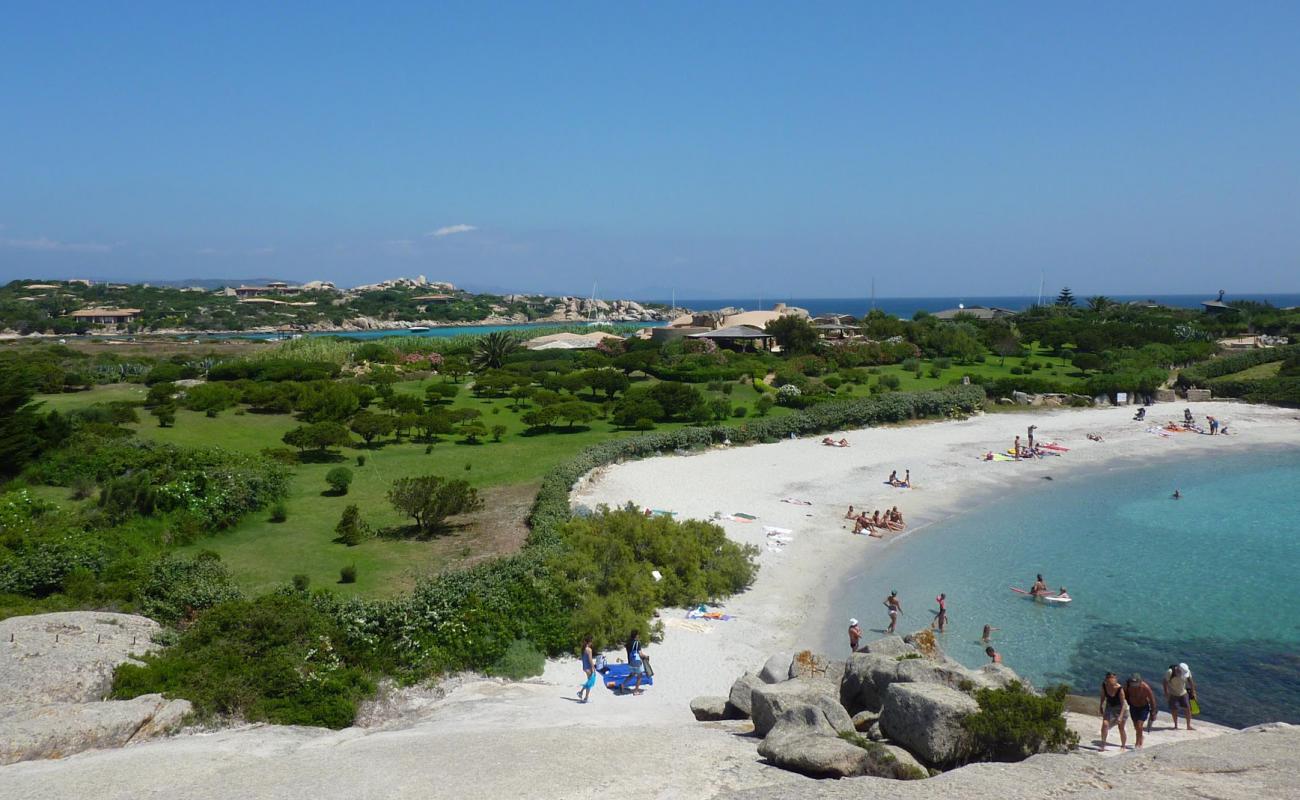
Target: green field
column 1258, row 372
column 263, row 554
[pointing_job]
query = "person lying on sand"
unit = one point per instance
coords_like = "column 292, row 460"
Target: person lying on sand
column 1094, row 437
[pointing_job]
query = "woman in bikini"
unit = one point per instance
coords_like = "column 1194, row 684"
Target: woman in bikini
column 1112, row 709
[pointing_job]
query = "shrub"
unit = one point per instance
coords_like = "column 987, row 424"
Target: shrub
column 361, row 461
column 348, row 574
column 644, row 424
column 301, row 582
column 275, row 659
column 279, row 513
column 763, row 405
column 176, row 589
column 352, row 530
column 430, row 500
column 1014, row 723
column 339, row 479
column 520, row 660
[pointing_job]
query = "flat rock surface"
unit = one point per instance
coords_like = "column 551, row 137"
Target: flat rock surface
column 67, row 657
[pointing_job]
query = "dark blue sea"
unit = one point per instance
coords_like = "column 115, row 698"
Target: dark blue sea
column 907, row 306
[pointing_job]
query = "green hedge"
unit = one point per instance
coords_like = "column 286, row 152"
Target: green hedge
column 1201, row 374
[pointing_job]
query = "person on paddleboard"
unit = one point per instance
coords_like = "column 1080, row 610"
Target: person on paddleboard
column 1039, row 587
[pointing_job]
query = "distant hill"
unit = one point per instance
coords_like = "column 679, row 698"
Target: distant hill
column 215, row 283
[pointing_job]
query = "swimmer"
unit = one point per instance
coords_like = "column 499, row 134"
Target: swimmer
column 1039, row 587
column 1177, row 495
column 988, row 633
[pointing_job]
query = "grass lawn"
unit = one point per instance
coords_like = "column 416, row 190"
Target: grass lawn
column 108, row 393
column 1255, row 373
column 1052, row 367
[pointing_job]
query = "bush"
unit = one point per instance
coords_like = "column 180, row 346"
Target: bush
column 1014, row 723
column 352, row 530
column 361, row 461
column 301, row 582
column 279, row 513
column 177, row 589
column 430, row 500
column 520, row 660
column 644, row 424
column 348, row 574
column 339, row 479
column 275, row 659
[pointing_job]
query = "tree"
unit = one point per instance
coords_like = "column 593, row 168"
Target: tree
column 635, row 360
column 339, row 479
column 1087, row 361
column 352, row 530
column 519, row 395
column 19, row 441
column 430, row 500
column 491, row 351
column 676, row 399
column 440, row 392
column 498, row 431
column 794, row 334
column 720, row 408
column 406, row 422
column 609, row 381
column 1099, row 303
column 325, row 401
column 574, row 411
column 455, row 366
column 403, row 404
column 633, row 407
column 1007, row 345
column 763, row 405
column 317, row 436
column 1065, row 299
column 541, row 417
column 472, row 430
column 368, row 425
column 166, row 414
column 432, row 423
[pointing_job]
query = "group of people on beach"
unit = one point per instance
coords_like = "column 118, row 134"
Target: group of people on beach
column 594, row 665
column 876, row 523
column 1215, row 425
column 1135, row 700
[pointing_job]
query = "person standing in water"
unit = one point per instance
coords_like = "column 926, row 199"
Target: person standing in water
column 855, row 635
column 941, row 619
column 588, row 667
column 988, row 634
column 895, row 608
column 1112, row 710
column 1141, row 705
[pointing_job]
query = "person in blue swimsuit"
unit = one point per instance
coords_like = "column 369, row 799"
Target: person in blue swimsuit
column 589, row 668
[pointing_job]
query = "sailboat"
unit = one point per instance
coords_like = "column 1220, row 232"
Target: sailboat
column 594, row 317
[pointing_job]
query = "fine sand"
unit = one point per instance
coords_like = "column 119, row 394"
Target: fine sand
column 490, row 739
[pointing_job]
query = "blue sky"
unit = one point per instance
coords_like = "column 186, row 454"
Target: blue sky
column 712, row 148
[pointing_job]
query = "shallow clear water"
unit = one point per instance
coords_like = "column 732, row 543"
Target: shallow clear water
column 1209, row 580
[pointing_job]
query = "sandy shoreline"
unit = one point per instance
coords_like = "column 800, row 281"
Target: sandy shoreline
column 489, row 738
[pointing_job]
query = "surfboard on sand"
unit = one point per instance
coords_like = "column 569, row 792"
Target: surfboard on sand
column 1044, row 597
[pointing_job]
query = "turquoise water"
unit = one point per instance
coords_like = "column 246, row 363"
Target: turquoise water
column 1209, row 580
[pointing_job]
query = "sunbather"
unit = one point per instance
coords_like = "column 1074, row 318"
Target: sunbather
column 850, row 515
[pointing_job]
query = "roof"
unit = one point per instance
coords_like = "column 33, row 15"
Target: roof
column 105, row 312
column 40, row 286
column 978, row 312
column 834, row 326
column 569, row 341
column 431, row 297
column 734, row 332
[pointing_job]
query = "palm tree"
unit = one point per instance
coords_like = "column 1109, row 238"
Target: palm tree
column 490, row 351
column 1099, row 303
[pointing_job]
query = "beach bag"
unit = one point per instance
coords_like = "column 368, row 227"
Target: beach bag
column 1195, row 707
column 600, row 664
column 650, row 671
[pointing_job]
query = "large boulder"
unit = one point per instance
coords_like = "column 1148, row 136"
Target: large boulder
column 739, row 701
column 709, row 708
column 770, row 701
column 868, row 676
column 815, row 756
column 926, row 719
column 777, row 668
column 67, row 657
column 888, row 646
column 61, row 729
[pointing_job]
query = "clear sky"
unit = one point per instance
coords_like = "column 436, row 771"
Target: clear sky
column 709, row 147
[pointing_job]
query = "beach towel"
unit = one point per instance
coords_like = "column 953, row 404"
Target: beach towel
column 796, row 502
column 772, row 530
column 744, row 516
column 1002, row 457
column 659, row 512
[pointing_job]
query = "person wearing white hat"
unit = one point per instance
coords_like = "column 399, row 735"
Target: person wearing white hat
column 1180, row 691
column 855, row 635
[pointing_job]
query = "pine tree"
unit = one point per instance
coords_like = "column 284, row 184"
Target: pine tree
column 1066, row 298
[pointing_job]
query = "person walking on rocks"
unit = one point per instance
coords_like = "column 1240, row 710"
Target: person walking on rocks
column 589, row 668
column 1113, row 710
column 895, row 607
column 855, row 635
column 1141, row 705
column 1180, row 691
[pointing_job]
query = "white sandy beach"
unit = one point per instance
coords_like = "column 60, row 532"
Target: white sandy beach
column 490, row 739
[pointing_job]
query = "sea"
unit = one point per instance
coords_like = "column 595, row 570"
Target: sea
column 1209, row 579
column 906, row 307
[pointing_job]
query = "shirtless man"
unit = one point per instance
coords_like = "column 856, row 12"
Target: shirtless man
column 895, row 607
column 1141, row 705
column 994, row 656
column 1039, row 587
column 850, row 515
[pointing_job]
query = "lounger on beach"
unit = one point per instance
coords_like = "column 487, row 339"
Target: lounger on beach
column 618, row 674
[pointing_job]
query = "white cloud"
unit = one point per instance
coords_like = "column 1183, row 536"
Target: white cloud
column 452, row 229
column 45, row 245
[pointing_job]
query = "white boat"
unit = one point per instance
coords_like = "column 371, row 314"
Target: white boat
column 418, row 328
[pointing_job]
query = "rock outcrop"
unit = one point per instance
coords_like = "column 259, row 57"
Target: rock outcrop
column 56, row 670
column 926, row 718
column 770, row 701
column 740, row 700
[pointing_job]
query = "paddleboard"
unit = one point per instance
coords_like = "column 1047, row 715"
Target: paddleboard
column 1044, row 597
column 1054, row 446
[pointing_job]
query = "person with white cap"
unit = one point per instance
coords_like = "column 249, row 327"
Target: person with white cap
column 1180, row 691
column 855, row 635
